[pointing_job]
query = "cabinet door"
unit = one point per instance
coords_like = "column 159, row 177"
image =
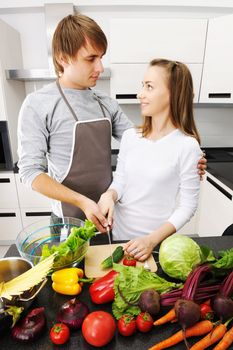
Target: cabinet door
column 12, row 93
column 2, row 97
column 8, row 198
column 126, row 81
column 11, row 225
column 142, row 39
column 216, row 211
column 218, row 72
column 31, row 215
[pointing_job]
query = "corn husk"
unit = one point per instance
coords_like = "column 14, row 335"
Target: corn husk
column 26, row 280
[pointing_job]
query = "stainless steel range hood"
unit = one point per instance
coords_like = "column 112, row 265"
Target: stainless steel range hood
column 53, row 14
column 41, row 74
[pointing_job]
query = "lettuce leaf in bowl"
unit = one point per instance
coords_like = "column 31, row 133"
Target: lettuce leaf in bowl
column 73, row 247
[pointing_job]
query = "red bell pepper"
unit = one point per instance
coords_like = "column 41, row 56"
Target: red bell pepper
column 101, row 290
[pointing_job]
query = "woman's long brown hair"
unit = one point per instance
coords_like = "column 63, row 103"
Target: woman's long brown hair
column 180, row 85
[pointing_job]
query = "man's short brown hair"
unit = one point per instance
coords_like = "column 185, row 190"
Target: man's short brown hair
column 71, row 34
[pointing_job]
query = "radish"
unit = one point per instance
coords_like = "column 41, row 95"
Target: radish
column 222, row 303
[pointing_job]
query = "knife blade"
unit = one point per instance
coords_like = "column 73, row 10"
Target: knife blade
column 109, row 241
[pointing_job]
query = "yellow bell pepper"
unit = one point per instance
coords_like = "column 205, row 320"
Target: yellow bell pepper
column 68, row 281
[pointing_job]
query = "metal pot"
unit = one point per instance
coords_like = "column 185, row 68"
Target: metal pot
column 11, row 268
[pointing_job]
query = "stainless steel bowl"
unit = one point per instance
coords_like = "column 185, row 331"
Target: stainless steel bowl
column 13, row 267
column 10, row 268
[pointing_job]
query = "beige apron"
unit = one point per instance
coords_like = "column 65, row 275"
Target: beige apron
column 89, row 172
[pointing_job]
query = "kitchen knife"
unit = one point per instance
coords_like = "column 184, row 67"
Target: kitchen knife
column 109, row 241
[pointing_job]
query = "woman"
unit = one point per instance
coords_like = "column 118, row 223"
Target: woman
column 156, row 163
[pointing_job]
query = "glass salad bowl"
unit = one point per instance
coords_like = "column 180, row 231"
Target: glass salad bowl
column 67, row 237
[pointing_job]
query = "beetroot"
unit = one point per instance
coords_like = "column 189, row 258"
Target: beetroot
column 187, row 311
column 149, row 301
column 222, row 303
column 205, row 291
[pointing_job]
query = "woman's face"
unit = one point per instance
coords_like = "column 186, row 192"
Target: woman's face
column 154, row 96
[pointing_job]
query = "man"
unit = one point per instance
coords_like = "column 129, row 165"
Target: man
column 67, row 127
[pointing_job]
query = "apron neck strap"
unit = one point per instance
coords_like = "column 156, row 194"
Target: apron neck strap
column 65, row 100
column 69, row 106
column 101, row 106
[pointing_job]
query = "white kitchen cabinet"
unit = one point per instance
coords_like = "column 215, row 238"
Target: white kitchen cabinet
column 139, row 40
column 11, row 225
column 135, row 42
column 216, row 208
column 126, row 81
column 12, row 93
column 218, row 72
column 33, row 205
column 10, row 217
column 31, row 215
column 19, row 207
column 8, row 198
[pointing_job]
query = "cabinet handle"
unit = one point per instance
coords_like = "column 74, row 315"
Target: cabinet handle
column 38, row 213
column 126, row 96
column 7, row 215
column 220, row 95
column 222, row 190
column 5, row 180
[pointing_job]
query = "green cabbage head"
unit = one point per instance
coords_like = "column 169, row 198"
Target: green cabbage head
column 178, row 255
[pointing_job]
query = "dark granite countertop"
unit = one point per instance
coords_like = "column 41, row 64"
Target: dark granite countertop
column 52, row 301
column 220, row 164
column 223, row 172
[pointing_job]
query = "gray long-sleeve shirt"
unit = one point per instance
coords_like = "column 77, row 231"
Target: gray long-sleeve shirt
column 45, row 129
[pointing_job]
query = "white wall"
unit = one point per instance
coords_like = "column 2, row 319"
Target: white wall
column 215, row 124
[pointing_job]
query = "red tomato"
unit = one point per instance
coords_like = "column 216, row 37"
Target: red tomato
column 129, row 261
column 206, row 312
column 127, row 325
column 144, row 322
column 98, row 328
column 59, row 333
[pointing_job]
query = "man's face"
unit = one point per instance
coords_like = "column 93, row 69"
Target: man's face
column 84, row 70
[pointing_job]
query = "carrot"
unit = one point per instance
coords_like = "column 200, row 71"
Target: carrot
column 226, row 341
column 199, row 328
column 211, row 338
column 174, row 320
column 169, row 316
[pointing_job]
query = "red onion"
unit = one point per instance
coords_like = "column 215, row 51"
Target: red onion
column 72, row 313
column 31, row 326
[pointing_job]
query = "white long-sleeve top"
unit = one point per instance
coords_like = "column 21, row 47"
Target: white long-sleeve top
column 149, row 177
